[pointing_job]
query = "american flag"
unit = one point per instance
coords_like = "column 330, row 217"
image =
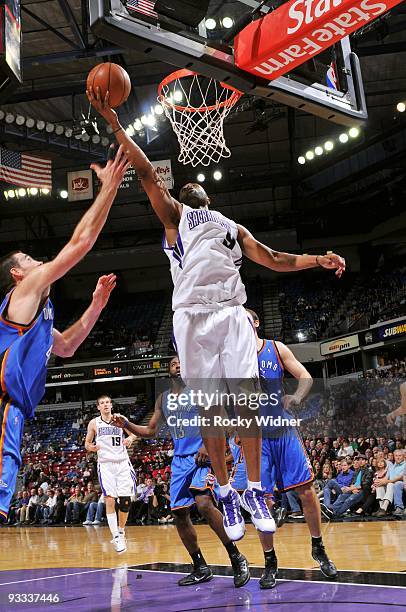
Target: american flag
column 20, row 169
column 142, row 6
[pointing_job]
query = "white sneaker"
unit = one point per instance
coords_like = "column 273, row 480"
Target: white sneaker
column 120, row 544
column 97, row 523
column 253, row 501
column 88, row 523
column 233, row 521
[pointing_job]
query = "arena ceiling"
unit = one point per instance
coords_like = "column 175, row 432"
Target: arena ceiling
column 352, row 190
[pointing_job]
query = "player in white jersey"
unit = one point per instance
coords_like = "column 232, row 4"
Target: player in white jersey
column 116, row 474
column 214, row 338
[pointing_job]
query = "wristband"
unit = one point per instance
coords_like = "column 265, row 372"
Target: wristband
column 117, row 130
column 317, row 261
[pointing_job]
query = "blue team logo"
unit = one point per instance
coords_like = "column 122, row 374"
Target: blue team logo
column 3, row 485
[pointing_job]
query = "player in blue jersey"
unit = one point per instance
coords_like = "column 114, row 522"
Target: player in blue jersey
column 192, row 480
column 27, row 336
column 284, row 462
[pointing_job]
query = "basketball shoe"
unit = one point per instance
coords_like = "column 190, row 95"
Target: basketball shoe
column 253, row 501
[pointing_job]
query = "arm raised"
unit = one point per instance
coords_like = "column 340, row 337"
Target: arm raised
column 143, row 431
column 285, row 262
column 167, row 209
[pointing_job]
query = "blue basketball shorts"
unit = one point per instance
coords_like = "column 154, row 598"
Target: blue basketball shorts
column 188, row 479
column 11, row 432
column 284, row 463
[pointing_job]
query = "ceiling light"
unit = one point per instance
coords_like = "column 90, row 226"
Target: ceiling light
column 177, row 95
column 301, row 160
column 96, row 139
column 343, row 138
column 130, row 131
column 401, row 107
column 49, row 128
column 210, row 23
column 158, row 109
column 22, row 192
column 217, row 175
column 329, row 145
column 144, row 120
column 318, row 150
column 85, row 137
column 63, row 193
column 150, row 120
column 30, row 122
column 227, row 22
column 20, row 120
column 33, row 191
column 9, row 118
column 309, row 155
column 59, row 130
column 200, row 177
column 137, row 125
column 68, row 132
column 105, row 141
column 40, row 124
column 2, row 115
column 45, row 191
column 354, row 132
column 11, row 193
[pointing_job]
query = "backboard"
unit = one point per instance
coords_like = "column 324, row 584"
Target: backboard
column 134, row 24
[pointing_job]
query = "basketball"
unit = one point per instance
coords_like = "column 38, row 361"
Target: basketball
column 113, row 78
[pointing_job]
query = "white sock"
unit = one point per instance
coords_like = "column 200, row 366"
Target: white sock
column 254, row 485
column 121, row 530
column 112, row 521
column 225, row 489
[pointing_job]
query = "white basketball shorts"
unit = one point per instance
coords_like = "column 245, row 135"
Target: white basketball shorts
column 117, row 479
column 216, row 344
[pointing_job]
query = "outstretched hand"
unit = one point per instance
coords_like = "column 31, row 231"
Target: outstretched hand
column 119, row 421
column 102, row 105
column 331, row 261
column 113, row 172
column 104, row 287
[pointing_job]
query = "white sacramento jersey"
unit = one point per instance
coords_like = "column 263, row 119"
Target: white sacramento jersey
column 110, row 440
column 205, row 261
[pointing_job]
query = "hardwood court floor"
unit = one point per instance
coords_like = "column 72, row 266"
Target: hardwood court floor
column 375, row 546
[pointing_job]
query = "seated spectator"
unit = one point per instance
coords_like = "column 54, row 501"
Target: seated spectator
column 336, row 485
column 357, row 491
column 161, row 503
column 390, row 488
column 22, row 508
column 40, row 505
column 370, row 501
column 62, row 495
column 31, row 506
column 295, row 509
column 96, row 512
column 14, row 506
column 73, row 506
column 346, row 449
column 89, row 497
column 49, row 508
column 144, row 501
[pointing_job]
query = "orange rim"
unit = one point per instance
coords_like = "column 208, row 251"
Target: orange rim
column 184, row 72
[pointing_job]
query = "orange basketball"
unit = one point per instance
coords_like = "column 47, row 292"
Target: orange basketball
column 110, row 77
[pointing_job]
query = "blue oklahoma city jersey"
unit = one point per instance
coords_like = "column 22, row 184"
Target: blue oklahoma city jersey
column 24, row 354
column 186, row 437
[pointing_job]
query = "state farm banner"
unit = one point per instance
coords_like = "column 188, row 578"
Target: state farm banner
column 80, row 185
column 300, row 29
column 339, row 344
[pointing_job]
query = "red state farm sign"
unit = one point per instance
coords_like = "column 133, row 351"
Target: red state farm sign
column 299, row 30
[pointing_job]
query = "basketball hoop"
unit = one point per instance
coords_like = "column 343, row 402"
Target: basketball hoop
column 196, row 106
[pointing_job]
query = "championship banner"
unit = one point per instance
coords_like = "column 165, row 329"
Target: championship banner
column 80, row 185
column 339, row 344
column 300, row 29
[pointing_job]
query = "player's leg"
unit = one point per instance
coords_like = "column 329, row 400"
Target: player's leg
column 126, row 487
column 296, row 474
column 240, row 368
column 199, row 344
column 205, row 490
column 201, row 572
column 268, row 480
column 11, row 428
column 182, row 470
column 108, row 483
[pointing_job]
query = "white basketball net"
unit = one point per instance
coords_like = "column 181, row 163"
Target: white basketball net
column 196, row 106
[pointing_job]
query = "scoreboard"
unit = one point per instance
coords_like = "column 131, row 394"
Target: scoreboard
column 10, row 47
column 107, row 371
